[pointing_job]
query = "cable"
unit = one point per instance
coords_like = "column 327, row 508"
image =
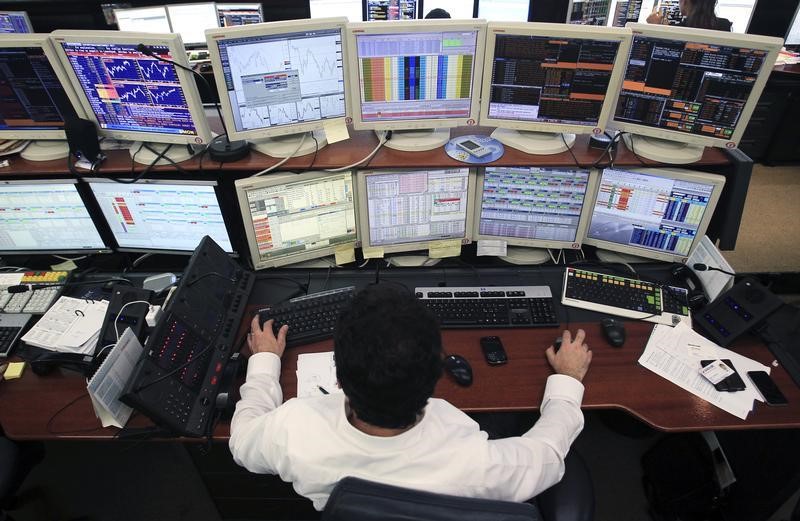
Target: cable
column 71, row 260
column 116, row 325
column 209, row 274
column 22, row 288
column 387, row 135
column 64, row 408
column 198, row 357
column 569, row 149
column 284, row 160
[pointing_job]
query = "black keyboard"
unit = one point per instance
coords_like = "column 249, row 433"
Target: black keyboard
column 311, row 318
column 496, row 306
column 11, row 326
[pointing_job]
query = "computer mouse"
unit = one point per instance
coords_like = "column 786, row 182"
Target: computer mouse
column 557, row 344
column 459, row 369
column 614, row 331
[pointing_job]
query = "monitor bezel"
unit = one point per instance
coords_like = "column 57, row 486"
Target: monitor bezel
column 92, row 218
column 541, row 29
column 685, row 34
column 795, row 20
column 242, row 186
column 250, row 5
column 363, row 207
column 19, row 40
column 411, row 26
column 199, row 43
column 128, row 9
column 674, row 173
column 135, row 249
column 583, row 220
column 186, row 80
column 213, row 36
column 24, row 15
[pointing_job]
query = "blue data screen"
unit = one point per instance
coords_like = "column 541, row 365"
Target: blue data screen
column 14, row 23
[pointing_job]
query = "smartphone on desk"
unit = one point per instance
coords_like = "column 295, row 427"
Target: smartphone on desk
column 493, row 350
column 766, row 386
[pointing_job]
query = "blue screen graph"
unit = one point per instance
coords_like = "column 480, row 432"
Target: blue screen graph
column 129, row 91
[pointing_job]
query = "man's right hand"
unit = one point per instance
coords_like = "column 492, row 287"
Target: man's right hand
column 573, row 358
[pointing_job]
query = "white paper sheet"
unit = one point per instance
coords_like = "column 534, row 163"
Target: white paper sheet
column 108, row 382
column 714, row 282
column 71, row 325
column 315, row 370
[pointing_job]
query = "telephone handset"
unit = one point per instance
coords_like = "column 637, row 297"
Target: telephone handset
column 697, row 296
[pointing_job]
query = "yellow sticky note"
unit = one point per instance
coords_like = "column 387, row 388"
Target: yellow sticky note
column 14, row 370
column 335, row 130
column 446, row 248
column 372, row 253
column 67, row 265
column 345, row 254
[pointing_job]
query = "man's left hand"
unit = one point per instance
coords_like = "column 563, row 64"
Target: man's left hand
column 263, row 340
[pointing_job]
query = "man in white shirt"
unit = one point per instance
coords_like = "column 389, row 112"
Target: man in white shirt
column 386, row 427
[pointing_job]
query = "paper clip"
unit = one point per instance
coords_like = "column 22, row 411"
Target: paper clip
column 79, row 313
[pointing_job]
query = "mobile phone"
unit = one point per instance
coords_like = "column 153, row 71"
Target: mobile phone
column 474, row 148
column 493, row 350
column 730, row 384
column 766, row 386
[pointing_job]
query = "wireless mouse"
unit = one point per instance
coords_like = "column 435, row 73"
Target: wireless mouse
column 459, row 369
column 614, row 331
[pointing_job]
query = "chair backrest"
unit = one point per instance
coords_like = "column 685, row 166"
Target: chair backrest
column 355, row 499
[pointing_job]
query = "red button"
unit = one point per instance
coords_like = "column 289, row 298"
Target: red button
column 218, row 368
column 213, row 380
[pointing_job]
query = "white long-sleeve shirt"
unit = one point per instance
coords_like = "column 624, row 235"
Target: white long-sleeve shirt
column 311, row 443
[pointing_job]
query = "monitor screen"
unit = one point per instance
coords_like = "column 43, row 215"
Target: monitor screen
column 391, row 10
column 589, row 12
column 350, row 9
column 404, row 210
column 624, row 11
column 281, row 78
column 692, row 85
column 793, row 36
column 415, row 75
column 239, row 14
column 656, row 213
column 144, row 19
column 292, row 218
column 129, row 94
column 670, row 9
column 45, row 217
column 552, row 77
column 534, row 206
column 503, row 10
column 192, row 20
column 34, row 101
column 15, row 22
column 739, row 12
column 163, row 216
column 457, row 9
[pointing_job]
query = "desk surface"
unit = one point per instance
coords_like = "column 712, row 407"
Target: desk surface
column 57, row 406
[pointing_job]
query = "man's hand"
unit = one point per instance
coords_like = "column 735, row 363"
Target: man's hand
column 263, row 340
column 573, row 358
column 656, row 18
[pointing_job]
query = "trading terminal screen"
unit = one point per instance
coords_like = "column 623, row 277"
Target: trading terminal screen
column 129, row 91
column 533, row 203
column 239, row 14
column 278, row 80
column 301, row 216
column 550, row 80
column 145, row 19
column 417, row 206
column 14, row 23
column 161, row 216
column 626, row 11
column 391, row 10
column 45, row 217
column 688, row 87
column 589, row 12
column 191, row 21
column 31, row 96
column 793, row 35
column 503, row 10
column 648, row 211
column 420, row 75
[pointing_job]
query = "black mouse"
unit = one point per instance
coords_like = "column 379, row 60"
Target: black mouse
column 557, row 344
column 614, row 331
column 459, row 369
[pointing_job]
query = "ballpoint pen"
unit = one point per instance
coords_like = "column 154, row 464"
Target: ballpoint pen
column 322, row 390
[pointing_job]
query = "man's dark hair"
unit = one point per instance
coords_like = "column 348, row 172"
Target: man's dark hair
column 438, row 13
column 388, row 352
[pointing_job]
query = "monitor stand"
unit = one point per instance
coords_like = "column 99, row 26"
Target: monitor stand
column 145, row 153
column 411, row 261
column 525, row 256
column 42, row 150
column 286, row 146
column 323, row 262
column 663, row 150
column 619, row 258
column 418, row 140
column 536, row 143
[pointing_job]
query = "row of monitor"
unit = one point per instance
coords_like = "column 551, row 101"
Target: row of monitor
column 288, row 218
column 539, row 84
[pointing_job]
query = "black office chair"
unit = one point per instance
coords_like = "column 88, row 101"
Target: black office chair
column 354, row 499
column 9, row 463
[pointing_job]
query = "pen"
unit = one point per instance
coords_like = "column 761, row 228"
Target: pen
column 322, row 390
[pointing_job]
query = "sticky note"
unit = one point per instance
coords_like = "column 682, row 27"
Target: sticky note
column 335, row 130
column 345, row 254
column 67, row 265
column 14, row 370
column 372, row 252
column 445, row 248
column 492, row 248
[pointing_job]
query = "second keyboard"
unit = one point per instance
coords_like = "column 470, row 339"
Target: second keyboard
column 310, row 318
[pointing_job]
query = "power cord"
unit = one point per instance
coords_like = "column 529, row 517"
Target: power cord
column 387, row 135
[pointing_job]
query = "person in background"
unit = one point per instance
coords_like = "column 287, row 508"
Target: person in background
column 438, row 13
column 696, row 13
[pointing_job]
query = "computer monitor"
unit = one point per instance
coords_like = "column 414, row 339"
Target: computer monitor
column 382, row 10
column 624, row 11
column 739, row 12
column 15, row 22
column 280, row 80
column 533, row 208
column 133, row 96
column 239, row 14
column 35, row 104
column 417, row 78
column 192, row 20
column 543, row 83
column 669, row 9
column 164, row 216
column 688, row 88
column 588, row 12
column 793, row 35
column 38, row 216
column 353, row 10
column 457, row 9
column 660, row 214
column 407, row 210
column 143, row 19
column 291, row 218
column 504, row 10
